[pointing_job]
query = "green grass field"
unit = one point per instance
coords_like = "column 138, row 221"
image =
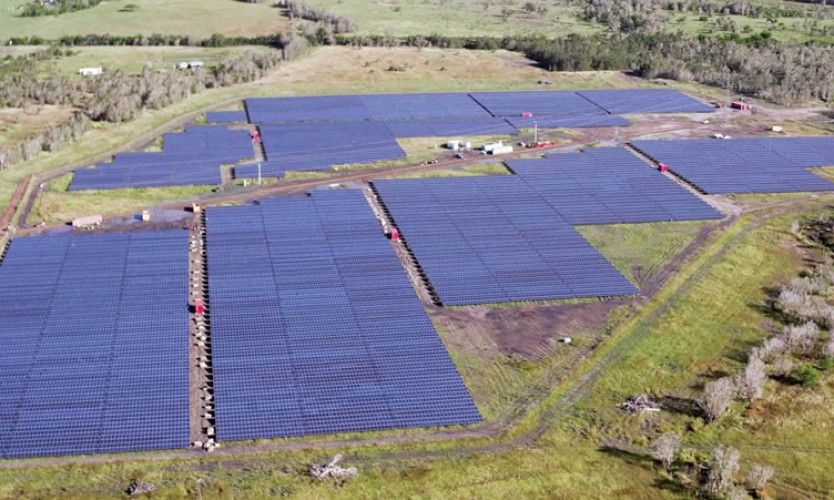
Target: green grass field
column 458, row 17
column 640, row 250
column 196, row 18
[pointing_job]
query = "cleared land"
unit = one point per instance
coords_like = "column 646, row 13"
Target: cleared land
column 195, row 18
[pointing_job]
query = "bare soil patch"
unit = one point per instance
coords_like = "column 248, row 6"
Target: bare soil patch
column 529, row 331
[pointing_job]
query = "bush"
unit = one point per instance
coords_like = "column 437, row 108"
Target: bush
column 717, row 397
column 751, row 382
column 805, row 375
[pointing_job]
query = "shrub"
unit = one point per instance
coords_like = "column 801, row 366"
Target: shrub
column 751, row 382
column 757, row 478
column 724, row 465
column 805, row 375
column 666, row 447
column 717, row 397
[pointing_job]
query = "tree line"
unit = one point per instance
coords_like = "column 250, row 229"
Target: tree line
column 118, row 97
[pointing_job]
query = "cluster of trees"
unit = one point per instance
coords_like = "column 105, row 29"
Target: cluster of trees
column 322, row 26
column 781, row 73
column 118, row 97
column 623, row 16
column 723, row 478
column 37, row 8
column 50, row 139
column 802, row 305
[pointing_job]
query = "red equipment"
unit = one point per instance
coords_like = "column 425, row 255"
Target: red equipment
column 394, row 234
column 663, row 167
column 199, row 306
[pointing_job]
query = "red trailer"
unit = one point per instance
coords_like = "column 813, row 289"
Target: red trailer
column 741, row 105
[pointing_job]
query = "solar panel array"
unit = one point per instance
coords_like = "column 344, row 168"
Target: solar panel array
column 492, row 239
column 451, row 127
column 318, row 146
column 315, row 327
column 761, row 165
column 216, row 117
column 609, row 186
column 193, row 157
column 304, row 133
column 509, row 238
column 630, row 101
column 94, row 342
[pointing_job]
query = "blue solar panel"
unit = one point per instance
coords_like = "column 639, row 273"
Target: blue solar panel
column 757, row 165
column 273, row 110
column 583, row 121
column 630, row 101
column 322, row 145
column 91, row 360
column 193, row 157
column 509, row 238
column 393, row 107
column 226, row 116
column 447, row 128
column 267, row 169
column 315, row 327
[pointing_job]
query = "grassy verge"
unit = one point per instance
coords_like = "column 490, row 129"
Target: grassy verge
column 704, row 330
column 56, row 204
column 640, row 250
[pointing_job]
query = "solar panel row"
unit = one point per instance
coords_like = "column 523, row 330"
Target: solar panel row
column 315, row 327
column 216, row 117
column 95, row 344
column 193, row 157
column 631, row 101
column 759, row 165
